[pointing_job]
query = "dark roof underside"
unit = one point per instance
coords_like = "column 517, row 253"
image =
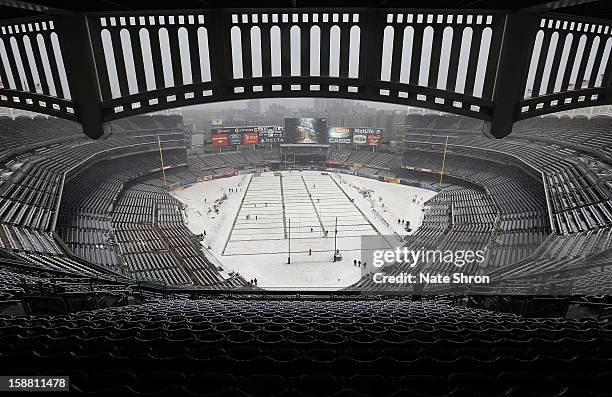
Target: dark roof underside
column 588, row 8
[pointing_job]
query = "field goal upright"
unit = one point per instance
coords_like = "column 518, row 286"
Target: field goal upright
column 304, row 155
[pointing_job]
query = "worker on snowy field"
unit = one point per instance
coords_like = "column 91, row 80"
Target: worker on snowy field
column 309, row 251
column 354, row 262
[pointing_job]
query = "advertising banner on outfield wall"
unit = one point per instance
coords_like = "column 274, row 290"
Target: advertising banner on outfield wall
column 339, row 135
column 235, row 138
column 367, row 136
column 222, row 130
column 271, row 135
column 250, row 135
column 391, row 180
column 250, row 138
column 359, row 136
column 219, row 140
column 374, row 139
column 360, row 139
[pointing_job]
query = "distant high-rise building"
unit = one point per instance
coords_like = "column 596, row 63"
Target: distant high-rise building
column 254, row 106
column 168, row 112
column 319, row 105
column 333, row 105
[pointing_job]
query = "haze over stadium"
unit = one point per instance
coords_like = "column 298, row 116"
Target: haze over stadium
column 202, row 198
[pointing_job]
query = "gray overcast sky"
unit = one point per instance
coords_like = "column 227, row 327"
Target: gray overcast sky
column 292, row 102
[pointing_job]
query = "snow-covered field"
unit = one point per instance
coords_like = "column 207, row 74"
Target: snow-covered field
column 250, row 234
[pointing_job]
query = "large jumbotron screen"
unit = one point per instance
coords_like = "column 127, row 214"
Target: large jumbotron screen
column 305, row 130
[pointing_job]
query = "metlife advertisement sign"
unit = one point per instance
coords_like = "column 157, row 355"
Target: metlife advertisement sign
column 359, row 136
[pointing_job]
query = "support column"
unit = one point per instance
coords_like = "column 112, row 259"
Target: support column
column 73, row 33
column 370, row 54
column 509, row 86
column 220, row 49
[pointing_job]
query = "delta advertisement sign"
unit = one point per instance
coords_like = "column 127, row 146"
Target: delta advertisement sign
column 271, row 134
column 358, row 136
column 247, row 135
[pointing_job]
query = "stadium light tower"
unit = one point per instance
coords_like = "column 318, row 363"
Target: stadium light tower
column 289, row 247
